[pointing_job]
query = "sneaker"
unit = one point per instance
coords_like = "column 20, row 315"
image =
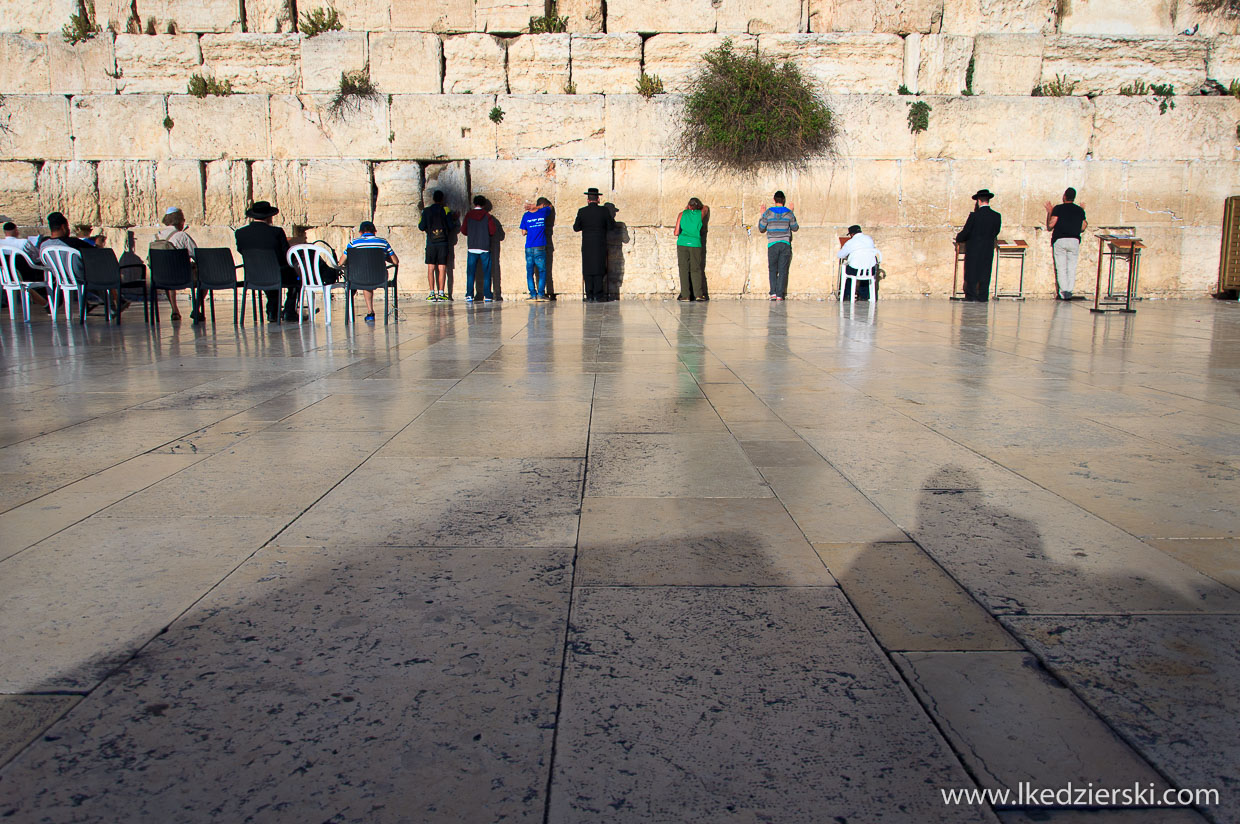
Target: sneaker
column 370, row 317
column 469, row 298
column 488, row 300
column 432, row 297
column 704, row 298
column 533, row 297
column 778, row 298
column 444, row 296
column 1067, row 296
column 774, row 297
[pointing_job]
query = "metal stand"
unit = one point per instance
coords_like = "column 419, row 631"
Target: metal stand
column 1114, row 248
column 1014, row 250
column 957, row 291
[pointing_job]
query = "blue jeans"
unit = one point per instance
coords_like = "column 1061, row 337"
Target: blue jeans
column 475, row 258
column 536, row 256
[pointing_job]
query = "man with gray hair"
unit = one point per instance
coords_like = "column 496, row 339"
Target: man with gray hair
column 174, row 236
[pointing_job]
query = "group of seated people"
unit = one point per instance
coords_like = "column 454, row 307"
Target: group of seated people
column 258, row 235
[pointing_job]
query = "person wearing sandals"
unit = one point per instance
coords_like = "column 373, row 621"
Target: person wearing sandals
column 690, row 250
column 367, row 239
column 174, row 236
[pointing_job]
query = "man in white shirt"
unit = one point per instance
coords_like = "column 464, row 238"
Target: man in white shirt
column 176, row 237
column 861, row 253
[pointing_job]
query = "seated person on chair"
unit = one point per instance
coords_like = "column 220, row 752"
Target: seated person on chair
column 861, row 254
column 260, row 234
column 174, row 236
column 367, row 239
column 59, row 235
column 25, row 271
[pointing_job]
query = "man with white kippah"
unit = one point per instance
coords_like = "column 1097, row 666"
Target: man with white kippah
column 174, row 236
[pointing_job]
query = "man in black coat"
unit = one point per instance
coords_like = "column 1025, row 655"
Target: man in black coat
column 978, row 236
column 594, row 221
column 260, row 234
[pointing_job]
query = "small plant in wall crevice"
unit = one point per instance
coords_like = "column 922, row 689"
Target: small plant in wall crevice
column 648, row 85
column 1163, row 93
column 316, row 21
column 496, row 115
column 550, row 23
column 918, row 116
column 201, row 86
column 168, row 123
column 355, row 90
column 81, row 27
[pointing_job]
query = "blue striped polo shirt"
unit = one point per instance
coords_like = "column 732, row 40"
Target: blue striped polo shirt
column 370, row 242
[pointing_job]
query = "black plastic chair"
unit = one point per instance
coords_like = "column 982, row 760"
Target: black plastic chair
column 261, row 273
column 170, row 269
column 216, row 271
column 368, row 269
column 101, row 272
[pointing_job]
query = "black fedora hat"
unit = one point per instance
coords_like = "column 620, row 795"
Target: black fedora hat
column 593, row 190
column 854, row 229
column 984, row 194
column 261, row 210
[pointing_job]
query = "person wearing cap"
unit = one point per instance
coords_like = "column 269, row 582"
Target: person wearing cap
column 261, row 234
column 534, row 225
column 979, row 234
column 778, row 223
column 594, row 221
column 174, row 236
column 859, row 252
column 368, row 239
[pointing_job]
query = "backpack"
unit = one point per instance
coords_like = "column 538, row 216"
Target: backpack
column 437, row 225
column 161, row 244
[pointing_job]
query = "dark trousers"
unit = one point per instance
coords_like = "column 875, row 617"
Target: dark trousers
column 292, row 285
column 977, row 276
column 692, row 263
column 863, row 288
column 595, row 285
column 778, row 259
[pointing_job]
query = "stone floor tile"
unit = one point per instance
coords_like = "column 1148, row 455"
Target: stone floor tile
column 1218, row 558
column 700, row 465
column 500, row 429
column 718, row 701
column 908, row 602
column 1169, row 684
column 827, row 507
column 26, row 525
column 693, row 542
column 764, row 453
column 985, row 702
column 23, row 718
column 282, row 689
column 655, row 415
column 447, row 502
column 362, row 413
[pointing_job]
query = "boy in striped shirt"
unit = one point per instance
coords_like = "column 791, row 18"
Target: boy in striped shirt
column 369, row 240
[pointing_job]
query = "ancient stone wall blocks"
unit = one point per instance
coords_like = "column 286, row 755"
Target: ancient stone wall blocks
column 215, row 128
column 156, row 63
column 474, row 64
column 405, row 62
column 1103, row 65
column 842, row 63
column 606, row 63
column 265, row 63
column 325, row 57
column 115, row 127
column 538, row 64
column 442, row 126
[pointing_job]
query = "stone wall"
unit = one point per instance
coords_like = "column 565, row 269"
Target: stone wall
column 105, row 131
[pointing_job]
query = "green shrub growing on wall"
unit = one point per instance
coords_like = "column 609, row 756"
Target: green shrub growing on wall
column 648, row 85
column 743, row 111
column 200, row 86
column 355, row 89
column 550, row 23
column 317, row 21
column 80, row 28
column 1137, row 88
column 496, row 115
column 918, row 116
column 967, row 91
column 1059, row 87
column 1163, row 92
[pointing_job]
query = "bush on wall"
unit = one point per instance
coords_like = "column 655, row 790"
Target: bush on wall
column 743, row 111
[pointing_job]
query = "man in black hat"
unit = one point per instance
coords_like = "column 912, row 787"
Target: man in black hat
column 978, row 236
column 594, row 221
column 260, row 234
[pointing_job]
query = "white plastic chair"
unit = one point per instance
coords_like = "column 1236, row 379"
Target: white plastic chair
column 60, row 262
column 862, row 274
column 305, row 257
column 10, row 250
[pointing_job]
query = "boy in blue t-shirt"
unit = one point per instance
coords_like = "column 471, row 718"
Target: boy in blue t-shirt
column 534, row 225
column 369, row 240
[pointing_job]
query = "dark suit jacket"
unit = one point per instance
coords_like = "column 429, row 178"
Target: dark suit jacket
column 980, row 230
column 594, row 221
column 258, row 235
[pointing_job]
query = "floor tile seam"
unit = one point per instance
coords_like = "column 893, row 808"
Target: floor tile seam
column 81, row 696
column 1179, row 613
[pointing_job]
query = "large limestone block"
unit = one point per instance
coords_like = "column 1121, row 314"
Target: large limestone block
column 875, row 196
column 36, row 17
column 283, row 184
column 406, row 62
column 943, row 63
column 642, row 263
column 872, row 126
column 819, row 193
column 179, row 183
column 363, row 15
column 18, row 199
column 1162, row 271
column 539, row 125
column 1223, row 60
column 573, row 177
column 156, row 63
column 1000, row 176
column 925, row 192
column 450, row 178
column 754, row 16
column 117, row 16
column 889, row 16
column 1118, row 17
column 972, row 17
column 113, row 127
column 677, row 58
column 191, row 15
column 269, row 63
column 508, row 184
column 538, row 64
column 325, row 57
column 636, row 188
column 127, row 193
column 637, row 127
column 433, row 15
column 1006, row 63
column 227, row 191
column 1155, row 193
column 606, row 63
column 84, row 68
column 307, row 129
column 1198, row 128
column 507, row 16
column 1190, row 18
column 268, row 16
column 219, row 128
column 842, row 63
column 813, row 272
column 654, row 16
column 337, row 192
column 398, row 192
column 1104, row 64
column 474, row 64
column 1007, row 128
column 70, row 187
column 442, row 126
column 1209, row 184
column 1199, row 261
column 584, row 16
column 724, row 193
column 23, row 64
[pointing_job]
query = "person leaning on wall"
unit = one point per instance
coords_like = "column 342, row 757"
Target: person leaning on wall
column 778, row 223
column 690, row 250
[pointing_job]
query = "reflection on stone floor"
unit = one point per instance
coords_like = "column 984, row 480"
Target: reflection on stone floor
column 640, row 561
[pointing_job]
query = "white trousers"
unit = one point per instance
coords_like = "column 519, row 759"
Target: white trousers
column 1065, row 251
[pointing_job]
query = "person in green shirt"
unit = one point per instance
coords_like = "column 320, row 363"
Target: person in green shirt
column 691, row 251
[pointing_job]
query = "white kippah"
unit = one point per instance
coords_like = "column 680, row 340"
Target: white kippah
column 171, row 210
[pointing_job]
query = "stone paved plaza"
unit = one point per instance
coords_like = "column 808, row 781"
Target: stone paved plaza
column 627, row 562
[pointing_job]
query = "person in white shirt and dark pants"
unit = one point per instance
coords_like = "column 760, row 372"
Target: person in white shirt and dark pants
column 861, row 253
